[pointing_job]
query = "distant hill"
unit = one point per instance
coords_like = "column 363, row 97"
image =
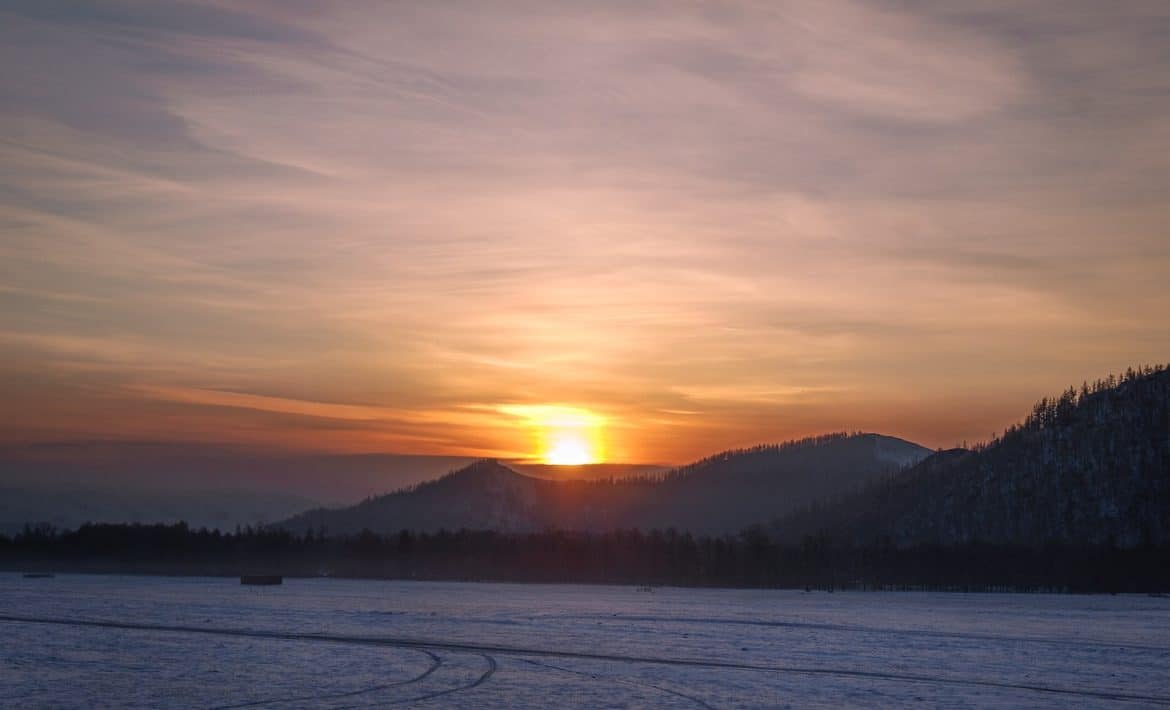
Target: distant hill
column 483, row 496
column 720, row 494
column 1087, row 468
column 728, row 491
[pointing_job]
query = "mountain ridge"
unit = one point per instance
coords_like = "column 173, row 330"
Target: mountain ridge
column 718, row 494
column 1088, row 468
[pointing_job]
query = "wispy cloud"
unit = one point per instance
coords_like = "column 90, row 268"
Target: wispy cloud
column 379, row 224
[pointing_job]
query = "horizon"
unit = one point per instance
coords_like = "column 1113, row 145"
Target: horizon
column 573, row 235
column 373, row 479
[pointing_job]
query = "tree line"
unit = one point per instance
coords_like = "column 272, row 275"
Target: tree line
column 750, row 559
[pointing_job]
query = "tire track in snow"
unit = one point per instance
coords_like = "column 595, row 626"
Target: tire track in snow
column 698, row 701
column 435, row 663
column 928, row 633
column 399, row 642
column 492, row 666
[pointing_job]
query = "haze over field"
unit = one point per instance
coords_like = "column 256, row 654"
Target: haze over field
column 570, row 233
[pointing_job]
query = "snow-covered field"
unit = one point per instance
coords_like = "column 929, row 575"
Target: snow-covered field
column 86, row 641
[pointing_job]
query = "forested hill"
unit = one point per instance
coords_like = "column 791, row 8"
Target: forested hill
column 718, row 495
column 728, row 491
column 1090, row 467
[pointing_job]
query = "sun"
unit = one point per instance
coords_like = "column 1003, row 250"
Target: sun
column 568, row 449
column 562, row 435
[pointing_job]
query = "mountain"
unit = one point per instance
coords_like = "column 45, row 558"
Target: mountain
column 728, row 491
column 483, row 496
column 1087, row 468
column 720, row 494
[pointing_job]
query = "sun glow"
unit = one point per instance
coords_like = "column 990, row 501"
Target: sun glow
column 563, row 436
column 568, row 449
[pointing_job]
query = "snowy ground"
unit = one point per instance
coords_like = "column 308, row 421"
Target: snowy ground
column 86, row 641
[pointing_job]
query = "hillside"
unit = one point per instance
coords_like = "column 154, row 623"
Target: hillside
column 1087, row 468
column 483, row 496
column 728, row 491
column 720, row 494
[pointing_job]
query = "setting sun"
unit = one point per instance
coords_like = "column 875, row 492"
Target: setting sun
column 568, row 449
column 563, row 436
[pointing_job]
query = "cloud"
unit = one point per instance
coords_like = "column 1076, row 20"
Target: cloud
column 376, row 223
column 898, row 65
column 282, row 405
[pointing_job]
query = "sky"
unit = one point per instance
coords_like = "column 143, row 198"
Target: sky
column 459, row 228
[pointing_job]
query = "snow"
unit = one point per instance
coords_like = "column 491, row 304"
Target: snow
column 85, row 641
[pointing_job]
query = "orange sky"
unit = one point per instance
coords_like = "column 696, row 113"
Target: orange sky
column 430, row 228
